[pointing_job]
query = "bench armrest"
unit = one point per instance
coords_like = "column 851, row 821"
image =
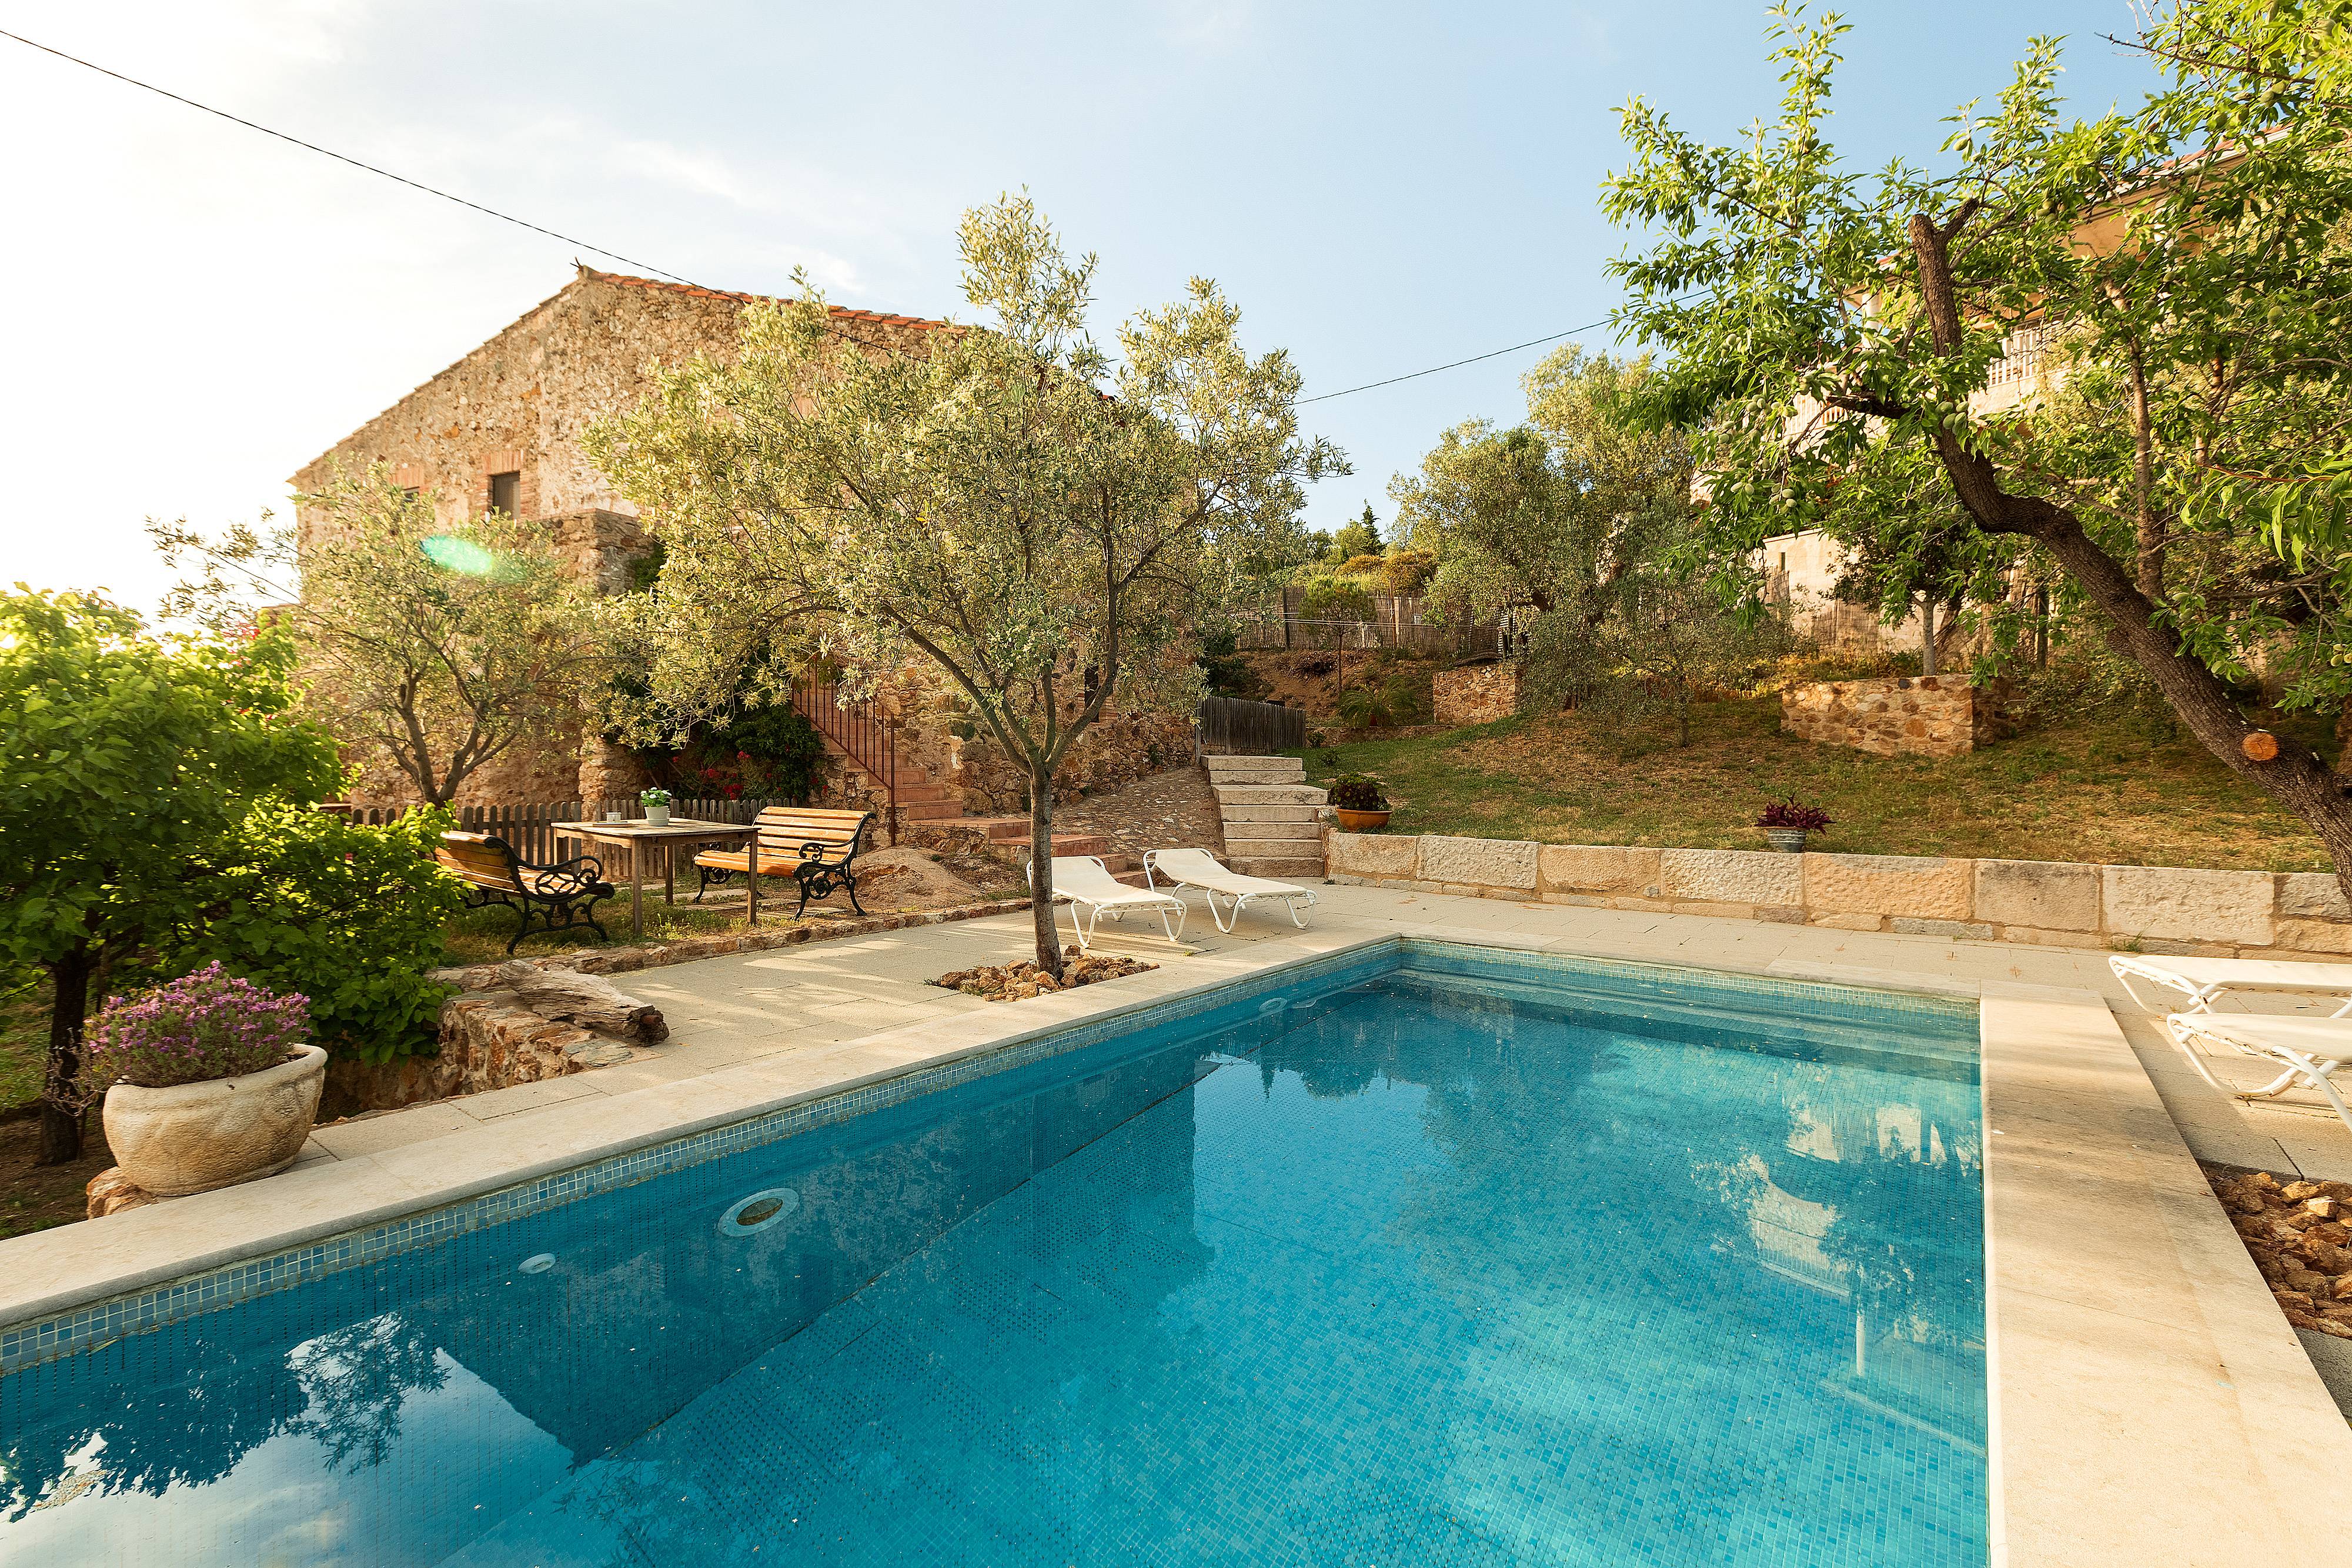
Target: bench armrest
column 577, row 874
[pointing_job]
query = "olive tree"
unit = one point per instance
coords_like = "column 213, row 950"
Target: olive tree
column 1551, row 514
column 438, row 646
column 1042, row 526
column 1832, row 333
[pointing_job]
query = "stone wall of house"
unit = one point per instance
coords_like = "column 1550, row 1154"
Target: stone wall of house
column 521, row 403
column 1477, row 693
column 1924, row 716
column 2152, row 909
column 1118, row 749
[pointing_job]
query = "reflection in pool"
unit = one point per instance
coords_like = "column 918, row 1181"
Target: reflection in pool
column 1474, row 1258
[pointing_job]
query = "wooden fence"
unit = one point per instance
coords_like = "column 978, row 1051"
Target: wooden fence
column 1394, row 620
column 530, row 828
column 1231, row 726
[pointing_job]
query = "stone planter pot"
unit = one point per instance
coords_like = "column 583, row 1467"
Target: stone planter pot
column 1787, row 840
column 1354, row 821
column 658, row 816
column 193, row 1137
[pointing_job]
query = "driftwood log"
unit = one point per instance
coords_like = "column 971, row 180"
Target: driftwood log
column 590, row 1002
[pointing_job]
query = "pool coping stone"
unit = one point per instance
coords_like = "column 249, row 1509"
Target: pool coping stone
column 2148, row 1402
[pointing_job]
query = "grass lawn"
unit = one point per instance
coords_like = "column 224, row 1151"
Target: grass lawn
column 2096, row 790
column 479, row 935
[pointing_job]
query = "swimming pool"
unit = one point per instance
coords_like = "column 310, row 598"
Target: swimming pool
column 1443, row 1255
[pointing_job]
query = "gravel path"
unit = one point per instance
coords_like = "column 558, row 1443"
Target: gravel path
column 1159, row 812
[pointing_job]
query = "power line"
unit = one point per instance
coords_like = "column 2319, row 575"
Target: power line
column 646, row 266
column 1491, row 353
column 341, row 158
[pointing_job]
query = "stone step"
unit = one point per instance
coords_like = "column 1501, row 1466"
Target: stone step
column 909, row 793
column 1280, row 869
column 1268, row 795
column 929, row 810
column 1245, row 768
column 1016, row 829
column 1290, row 848
column 1308, row 831
column 1272, row 813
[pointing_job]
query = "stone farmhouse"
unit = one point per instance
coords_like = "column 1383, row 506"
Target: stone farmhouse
column 502, row 428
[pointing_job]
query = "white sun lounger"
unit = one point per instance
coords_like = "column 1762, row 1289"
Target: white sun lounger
column 1198, row 868
column 2205, row 980
column 2310, row 1048
column 1083, row 881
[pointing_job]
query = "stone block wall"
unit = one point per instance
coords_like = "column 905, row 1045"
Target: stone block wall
column 1924, row 716
column 1477, row 693
column 2149, row 909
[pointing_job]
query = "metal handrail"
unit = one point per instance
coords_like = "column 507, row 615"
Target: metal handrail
column 862, row 732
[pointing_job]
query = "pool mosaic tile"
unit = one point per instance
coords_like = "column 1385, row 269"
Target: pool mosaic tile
column 1477, row 1261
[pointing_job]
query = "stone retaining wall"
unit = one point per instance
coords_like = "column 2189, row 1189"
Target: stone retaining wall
column 2153, row 909
column 1477, row 693
column 1925, row 716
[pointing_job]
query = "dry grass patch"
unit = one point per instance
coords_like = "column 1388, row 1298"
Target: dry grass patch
column 2096, row 791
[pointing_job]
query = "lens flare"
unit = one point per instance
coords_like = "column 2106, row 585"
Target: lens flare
column 451, row 553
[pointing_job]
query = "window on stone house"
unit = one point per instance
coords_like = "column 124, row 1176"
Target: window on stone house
column 505, row 494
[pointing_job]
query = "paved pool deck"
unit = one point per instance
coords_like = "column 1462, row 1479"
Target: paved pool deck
column 2150, row 1405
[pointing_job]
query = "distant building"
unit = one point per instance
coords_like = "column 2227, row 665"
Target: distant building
column 1802, row 570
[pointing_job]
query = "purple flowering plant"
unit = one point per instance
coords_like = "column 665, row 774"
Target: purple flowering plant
column 210, row 1024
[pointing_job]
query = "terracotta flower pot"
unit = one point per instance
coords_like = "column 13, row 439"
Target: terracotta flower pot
column 1354, row 821
column 193, row 1137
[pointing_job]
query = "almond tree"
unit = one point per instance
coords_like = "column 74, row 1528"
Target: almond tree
column 1042, row 526
column 2180, row 268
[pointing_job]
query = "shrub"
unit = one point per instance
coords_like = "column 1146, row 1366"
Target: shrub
column 1359, row 792
column 350, row 915
column 1229, row 675
column 200, row 1026
column 1363, row 708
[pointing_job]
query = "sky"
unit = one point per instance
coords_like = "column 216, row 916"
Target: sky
column 195, row 310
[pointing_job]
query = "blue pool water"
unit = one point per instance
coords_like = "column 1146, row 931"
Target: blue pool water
column 1450, row 1257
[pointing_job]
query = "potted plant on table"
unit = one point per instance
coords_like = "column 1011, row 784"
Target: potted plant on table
column 655, row 801
column 1359, row 803
column 209, row 1082
column 1787, row 822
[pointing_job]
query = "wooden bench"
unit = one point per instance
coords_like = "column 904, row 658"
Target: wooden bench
column 494, row 873
column 815, row 848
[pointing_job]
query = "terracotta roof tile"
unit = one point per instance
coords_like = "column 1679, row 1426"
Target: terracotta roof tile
column 839, row 312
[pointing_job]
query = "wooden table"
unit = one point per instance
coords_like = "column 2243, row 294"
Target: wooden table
column 678, row 830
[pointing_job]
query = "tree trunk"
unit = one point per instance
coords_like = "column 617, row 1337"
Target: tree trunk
column 2297, row 777
column 1926, row 633
column 1041, row 873
column 61, row 1103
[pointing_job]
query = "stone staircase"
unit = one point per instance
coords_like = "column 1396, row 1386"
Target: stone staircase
column 1273, row 817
